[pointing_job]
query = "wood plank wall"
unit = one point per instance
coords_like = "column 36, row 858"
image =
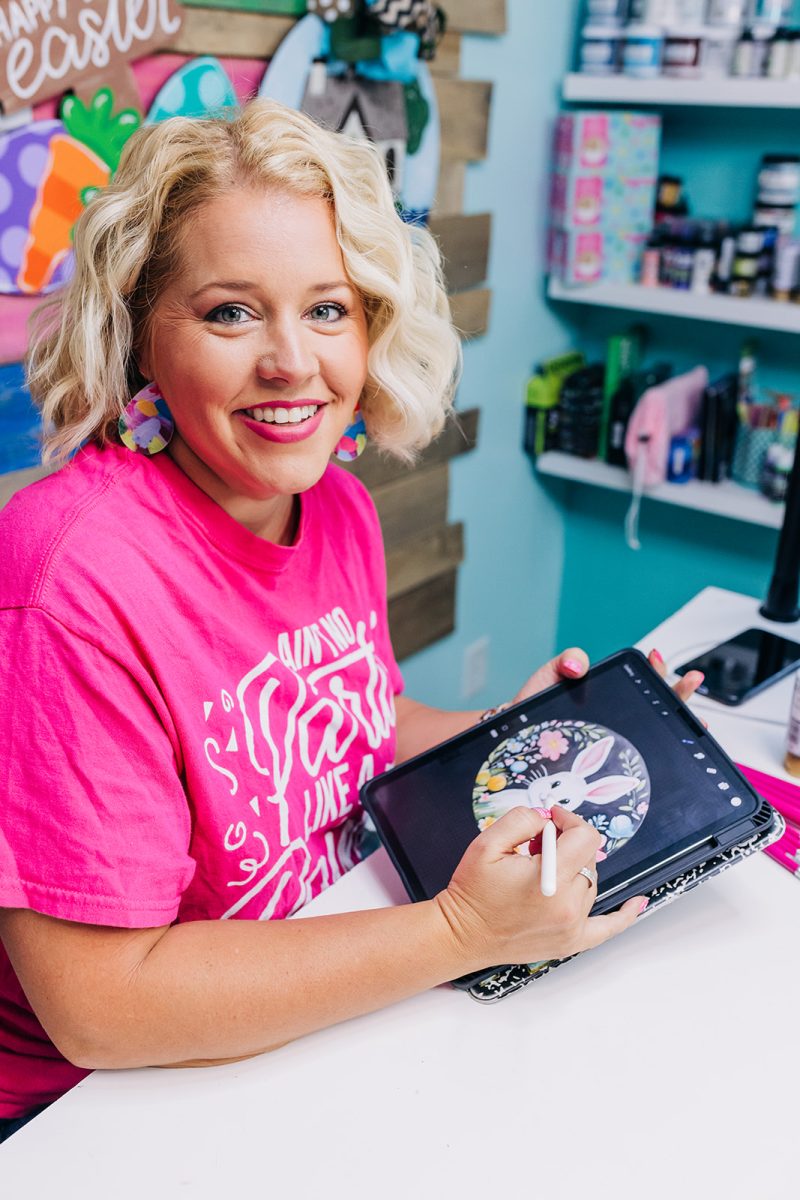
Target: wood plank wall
column 423, row 550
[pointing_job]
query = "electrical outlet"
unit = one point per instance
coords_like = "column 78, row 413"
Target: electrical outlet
column 476, row 668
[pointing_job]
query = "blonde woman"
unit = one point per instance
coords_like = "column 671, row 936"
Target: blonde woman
column 198, row 672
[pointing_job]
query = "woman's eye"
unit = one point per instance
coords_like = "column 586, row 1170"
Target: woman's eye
column 328, row 313
column 228, row 314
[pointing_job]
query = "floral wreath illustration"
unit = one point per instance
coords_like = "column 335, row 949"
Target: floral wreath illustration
column 584, row 767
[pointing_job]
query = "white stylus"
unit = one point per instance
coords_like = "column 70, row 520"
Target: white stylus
column 548, row 879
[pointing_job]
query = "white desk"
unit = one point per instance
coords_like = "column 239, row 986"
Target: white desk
column 623, row 1075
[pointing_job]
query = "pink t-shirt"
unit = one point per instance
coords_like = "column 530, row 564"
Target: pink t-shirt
column 187, row 711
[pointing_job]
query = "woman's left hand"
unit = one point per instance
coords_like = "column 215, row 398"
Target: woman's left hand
column 574, row 663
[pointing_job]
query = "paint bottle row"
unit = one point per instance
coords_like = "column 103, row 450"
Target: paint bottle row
column 689, row 40
column 761, row 258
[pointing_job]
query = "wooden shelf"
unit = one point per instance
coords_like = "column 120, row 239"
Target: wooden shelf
column 713, row 93
column 722, row 499
column 726, row 310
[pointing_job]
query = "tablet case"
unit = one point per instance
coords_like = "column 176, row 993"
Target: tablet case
column 770, row 827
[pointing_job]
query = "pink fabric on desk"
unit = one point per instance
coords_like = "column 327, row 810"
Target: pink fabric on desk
column 785, row 797
column 661, row 413
column 781, row 794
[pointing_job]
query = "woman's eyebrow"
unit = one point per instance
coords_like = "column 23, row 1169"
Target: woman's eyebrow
column 231, row 284
column 329, row 287
column 249, row 285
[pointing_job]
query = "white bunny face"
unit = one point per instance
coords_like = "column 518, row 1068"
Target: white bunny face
column 573, row 788
column 517, row 773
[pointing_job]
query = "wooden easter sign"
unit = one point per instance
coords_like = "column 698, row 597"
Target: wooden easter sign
column 47, row 46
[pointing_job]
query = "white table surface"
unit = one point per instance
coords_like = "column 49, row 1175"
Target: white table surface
column 658, row 1065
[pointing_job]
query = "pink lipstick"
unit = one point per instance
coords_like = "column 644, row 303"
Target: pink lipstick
column 285, row 432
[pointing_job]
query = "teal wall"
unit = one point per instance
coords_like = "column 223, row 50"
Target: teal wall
column 547, row 565
column 510, row 584
column 611, row 596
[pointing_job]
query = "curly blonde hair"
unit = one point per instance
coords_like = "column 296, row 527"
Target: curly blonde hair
column 81, row 364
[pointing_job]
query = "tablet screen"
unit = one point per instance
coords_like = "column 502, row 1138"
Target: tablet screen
column 616, row 747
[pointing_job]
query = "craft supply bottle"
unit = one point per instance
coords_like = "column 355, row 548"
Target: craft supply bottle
column 600, row 49
column 642, row 50
column 705, row 259
column 683, row 51
column 793, row 64
column 792, row 760
column 763, row 37
column 780, row 49
column 727, row 253
column 611, row 12
column 653, row 12
column 726, row 12
column 720, row 44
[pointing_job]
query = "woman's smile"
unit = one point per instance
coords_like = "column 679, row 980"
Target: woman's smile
column 283, row 422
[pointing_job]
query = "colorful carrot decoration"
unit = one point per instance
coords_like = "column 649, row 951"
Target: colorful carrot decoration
column 70, row 168
column 80, row 161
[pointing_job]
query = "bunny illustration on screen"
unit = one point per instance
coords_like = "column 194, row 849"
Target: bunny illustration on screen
column 572, row 788
column 597, row 772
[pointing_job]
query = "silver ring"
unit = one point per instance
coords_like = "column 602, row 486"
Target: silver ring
column 589, row 875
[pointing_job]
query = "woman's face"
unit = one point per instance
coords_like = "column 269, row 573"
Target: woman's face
column 259, row 346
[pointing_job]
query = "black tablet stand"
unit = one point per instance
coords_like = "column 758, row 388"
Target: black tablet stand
column 781, row 601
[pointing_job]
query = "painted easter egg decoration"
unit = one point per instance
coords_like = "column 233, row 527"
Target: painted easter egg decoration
column 200, row 88
column 584, row 767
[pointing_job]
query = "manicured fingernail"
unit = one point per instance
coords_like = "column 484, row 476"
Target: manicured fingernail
column 656, row 655
column 544, row 812
column 643, row 905
column 573, row 666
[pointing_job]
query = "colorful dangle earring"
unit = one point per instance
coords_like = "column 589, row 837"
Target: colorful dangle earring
column 146, row 425
column 354, row 439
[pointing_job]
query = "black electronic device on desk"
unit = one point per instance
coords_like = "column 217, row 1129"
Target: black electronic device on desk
column 744, row 665
column 630, row 757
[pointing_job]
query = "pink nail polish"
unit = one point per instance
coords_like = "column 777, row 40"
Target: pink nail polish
column 643, row 905
column 656, row 655
column 571, row 665
column 544, row 812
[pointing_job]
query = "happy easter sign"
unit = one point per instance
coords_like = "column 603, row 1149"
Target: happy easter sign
column 47, row 45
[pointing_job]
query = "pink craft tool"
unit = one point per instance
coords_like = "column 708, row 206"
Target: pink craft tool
column 785, row 797
column 780, row 793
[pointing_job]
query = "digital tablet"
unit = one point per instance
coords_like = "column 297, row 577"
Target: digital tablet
column 618, row 747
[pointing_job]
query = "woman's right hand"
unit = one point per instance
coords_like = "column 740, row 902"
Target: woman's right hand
column 494, row 906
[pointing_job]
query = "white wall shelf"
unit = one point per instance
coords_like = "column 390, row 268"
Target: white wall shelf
column 715, row 93
column 727, row 310
column 726, row 499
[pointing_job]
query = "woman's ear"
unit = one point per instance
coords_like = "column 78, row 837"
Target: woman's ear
column 141, row 357
column 141, row 365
